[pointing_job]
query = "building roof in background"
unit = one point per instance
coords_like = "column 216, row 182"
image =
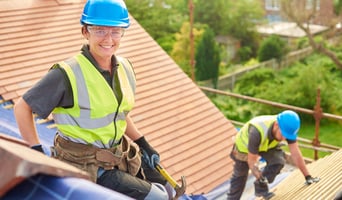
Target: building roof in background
column 289, row 29
column 191, row 134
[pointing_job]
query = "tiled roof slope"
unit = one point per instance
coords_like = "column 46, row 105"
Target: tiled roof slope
column 191, row 134
column 329, row 169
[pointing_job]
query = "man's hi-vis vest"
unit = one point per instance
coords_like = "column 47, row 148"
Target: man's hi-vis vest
column 97, row 117
column 263, row 124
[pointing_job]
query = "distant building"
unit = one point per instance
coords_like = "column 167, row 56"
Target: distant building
column 230, row 44
column 324, row 15
column 289, row 31
column 279, row 24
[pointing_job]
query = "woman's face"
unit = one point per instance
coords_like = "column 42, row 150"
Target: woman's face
column 103, row 40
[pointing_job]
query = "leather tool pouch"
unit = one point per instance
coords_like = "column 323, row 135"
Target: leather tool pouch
column 126, row 157
column 238, row 155
column 132, row 161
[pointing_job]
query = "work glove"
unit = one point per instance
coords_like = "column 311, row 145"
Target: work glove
column 263, row 180
column 38, row 147
column 309, row 179
column 150, row 156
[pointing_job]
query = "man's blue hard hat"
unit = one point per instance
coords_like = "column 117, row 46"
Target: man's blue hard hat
column 289, row 124
column 105, row 13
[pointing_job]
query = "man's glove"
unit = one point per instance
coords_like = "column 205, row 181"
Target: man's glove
column 309, row 180
column 263, row 180
column 150, row 156
column 38, row 147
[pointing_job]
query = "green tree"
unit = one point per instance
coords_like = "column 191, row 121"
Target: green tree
column 212, row 13
column 234, row 18
column 272, row 47
column 229, row 17
column 244, row 53
column 181, row 48
column 207, row 58
column 160, row 18
column 295, row 85
column 337, row 7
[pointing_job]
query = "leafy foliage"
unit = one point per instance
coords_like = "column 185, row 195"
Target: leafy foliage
column 272, row 47
column 337, row 7
column 234, row 18
column 255, row 82
column 207, row 58
column 160, row 18
column 163, row 19
column 295, row 85
column 302, row 42
column 181, row 48
column 234, row 109
column 245, row 53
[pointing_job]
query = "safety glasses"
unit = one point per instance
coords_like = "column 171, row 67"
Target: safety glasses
column 101, row 32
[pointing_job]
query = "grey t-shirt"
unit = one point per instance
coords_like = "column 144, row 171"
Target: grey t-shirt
column 54, row 89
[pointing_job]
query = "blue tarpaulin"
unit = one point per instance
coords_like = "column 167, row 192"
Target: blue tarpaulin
column 8, row 126
column 45, row 187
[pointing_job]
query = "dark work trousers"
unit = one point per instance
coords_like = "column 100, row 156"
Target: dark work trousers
column 129, row 185
column 275, row 160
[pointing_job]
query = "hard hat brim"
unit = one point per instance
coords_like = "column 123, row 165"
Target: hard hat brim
column 105, row 23
column 288, row 135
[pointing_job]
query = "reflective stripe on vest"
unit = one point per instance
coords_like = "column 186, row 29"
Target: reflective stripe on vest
column 96, row 117
column 262, row 123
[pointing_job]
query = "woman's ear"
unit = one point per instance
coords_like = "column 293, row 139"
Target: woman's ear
column 84, row 32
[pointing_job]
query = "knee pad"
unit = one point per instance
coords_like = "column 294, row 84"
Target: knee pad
column 157, row 191
column 272, row 171
column 170, row 190
column 277, row 168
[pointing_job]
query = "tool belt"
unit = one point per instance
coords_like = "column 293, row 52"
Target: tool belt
column 125, row 156
column 239, row 155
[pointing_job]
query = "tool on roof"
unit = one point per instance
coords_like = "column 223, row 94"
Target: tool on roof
column 151, row 158
column 180, row 189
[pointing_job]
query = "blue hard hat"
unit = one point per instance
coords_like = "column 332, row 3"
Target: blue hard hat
column 105, row 13
column 289, row 124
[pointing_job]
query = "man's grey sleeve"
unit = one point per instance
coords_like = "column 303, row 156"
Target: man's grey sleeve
column 254, row 139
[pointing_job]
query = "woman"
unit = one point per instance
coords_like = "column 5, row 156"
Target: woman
column 90, row 96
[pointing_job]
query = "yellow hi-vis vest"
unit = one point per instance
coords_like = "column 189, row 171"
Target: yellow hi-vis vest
column 96, row 118
column 262, row 123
